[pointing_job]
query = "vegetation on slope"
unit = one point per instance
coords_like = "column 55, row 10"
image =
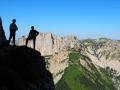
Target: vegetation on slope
column 74, row 56
column 77, row 77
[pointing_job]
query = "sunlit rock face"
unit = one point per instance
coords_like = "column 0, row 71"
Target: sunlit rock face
column 103, row 52
column 49, row 44
column 58, row 63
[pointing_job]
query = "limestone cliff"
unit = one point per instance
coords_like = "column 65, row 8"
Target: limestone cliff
column 49, row 44
column 58, row 62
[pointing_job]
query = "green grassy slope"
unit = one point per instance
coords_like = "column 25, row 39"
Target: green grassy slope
column 77, row 77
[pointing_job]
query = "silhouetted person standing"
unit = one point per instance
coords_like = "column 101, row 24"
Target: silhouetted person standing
column 32, row 35
column 13, row 29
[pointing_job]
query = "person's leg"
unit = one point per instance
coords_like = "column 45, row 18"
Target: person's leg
column 34, row 40
column 14, row 38
column 10, row 38
column 27, row 40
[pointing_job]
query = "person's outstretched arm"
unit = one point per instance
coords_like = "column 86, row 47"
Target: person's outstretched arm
column 16, row 27
column 37, row 33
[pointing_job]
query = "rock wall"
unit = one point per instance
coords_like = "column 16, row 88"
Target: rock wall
column 48, row 43
column 58, row 63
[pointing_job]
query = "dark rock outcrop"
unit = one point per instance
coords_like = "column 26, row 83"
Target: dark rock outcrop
column 22, row 68
column 3, row 40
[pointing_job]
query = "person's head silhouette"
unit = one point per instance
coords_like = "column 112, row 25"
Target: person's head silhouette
column 32, row 27
column 14, row 20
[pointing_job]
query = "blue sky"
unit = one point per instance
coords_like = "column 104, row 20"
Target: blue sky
column 84, row 18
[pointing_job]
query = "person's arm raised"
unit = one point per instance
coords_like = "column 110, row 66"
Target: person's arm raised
column 16, row 27
column 37, row 33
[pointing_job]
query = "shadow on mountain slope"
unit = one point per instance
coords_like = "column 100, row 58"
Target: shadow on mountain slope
column 22, row 68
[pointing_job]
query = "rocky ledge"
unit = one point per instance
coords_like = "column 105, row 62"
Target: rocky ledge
column 22, row 68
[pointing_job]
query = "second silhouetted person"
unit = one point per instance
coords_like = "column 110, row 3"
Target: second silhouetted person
column 32, row 35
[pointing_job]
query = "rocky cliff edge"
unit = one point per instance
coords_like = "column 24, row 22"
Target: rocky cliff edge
column 22, row 68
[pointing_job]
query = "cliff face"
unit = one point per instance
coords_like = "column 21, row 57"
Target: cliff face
column 58, row 63
column 48, row 44
column 23, row 68
column 2, row 34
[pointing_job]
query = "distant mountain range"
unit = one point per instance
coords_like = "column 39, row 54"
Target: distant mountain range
column 90, row 64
